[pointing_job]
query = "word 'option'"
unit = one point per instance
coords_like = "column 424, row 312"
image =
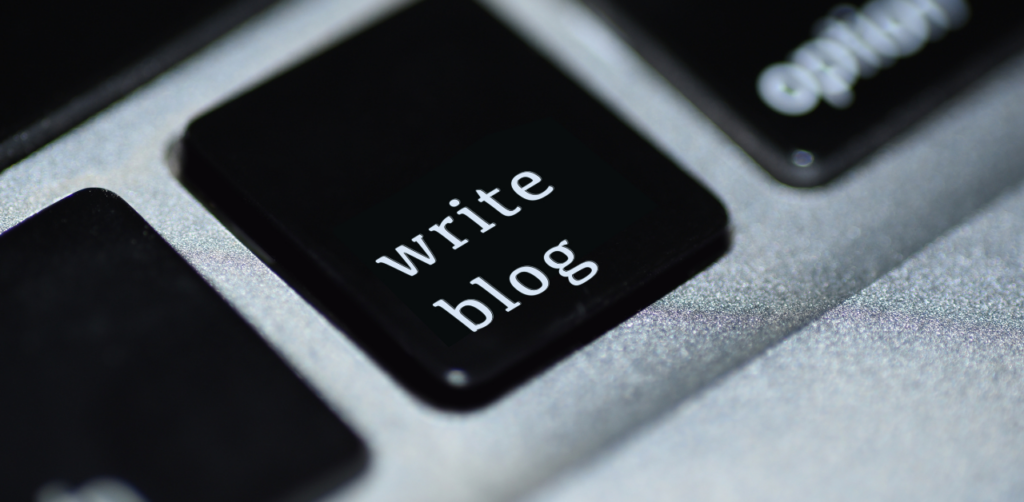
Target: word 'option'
column 852, row 44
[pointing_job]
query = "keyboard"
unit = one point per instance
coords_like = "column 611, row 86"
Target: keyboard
column 858, row 338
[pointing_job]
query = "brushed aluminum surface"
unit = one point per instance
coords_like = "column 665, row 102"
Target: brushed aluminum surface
column 796, row 253
column 910, row 390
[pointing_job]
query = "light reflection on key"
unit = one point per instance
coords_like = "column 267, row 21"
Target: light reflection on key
column 96, row 490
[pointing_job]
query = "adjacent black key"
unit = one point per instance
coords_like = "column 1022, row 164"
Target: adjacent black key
column 809, row 87
column 451, row 200
column 65, row 60
column 125, row 377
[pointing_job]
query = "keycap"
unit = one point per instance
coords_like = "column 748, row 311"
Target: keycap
column 65, row 60
column 810, row 87
column 451, row 200
column 125, row 377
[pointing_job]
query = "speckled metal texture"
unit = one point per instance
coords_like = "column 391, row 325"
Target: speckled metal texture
column 912, row 389
column 796, row 254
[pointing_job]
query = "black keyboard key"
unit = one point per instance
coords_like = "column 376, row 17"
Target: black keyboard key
column 124, row 376
column 450, row 199
column 65, row 60
column 809, row 87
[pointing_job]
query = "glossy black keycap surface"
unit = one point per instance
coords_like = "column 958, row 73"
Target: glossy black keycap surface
column 451, row 200
column 65, row 60
column 122, row 371
column 875, row 67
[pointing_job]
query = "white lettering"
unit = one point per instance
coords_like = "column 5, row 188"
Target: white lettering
column 563, row 267
column 513, row 279
column 509, row 305
column 902, row 22
column 522, row 183
column 853, row 44
column 488, row 198
column 456, row 242
column 873, row 35
column 937, row 18
column 571, row 273
column 789, row 89
column 868, row 61
column 833, row 65
column 565, row 251
column 468, row 213
column 522, row 190
column 404, row 253
column 457, row 313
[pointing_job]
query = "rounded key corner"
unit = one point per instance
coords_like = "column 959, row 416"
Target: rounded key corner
column 467, row 227
column 452, row 387
column 164, row 374
column 811, row 88
column 97, row 194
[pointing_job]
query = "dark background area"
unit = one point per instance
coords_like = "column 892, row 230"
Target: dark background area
column 64, row 61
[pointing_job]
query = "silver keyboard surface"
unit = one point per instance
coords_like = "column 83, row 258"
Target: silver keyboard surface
column 860, row 340
column 909, row 390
